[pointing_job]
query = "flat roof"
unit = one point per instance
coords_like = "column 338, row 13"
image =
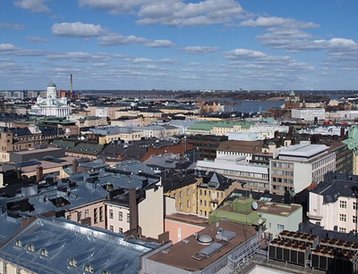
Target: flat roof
column 180, row 255
column 303, row 150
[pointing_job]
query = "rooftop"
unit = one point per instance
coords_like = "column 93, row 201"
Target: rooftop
column 302, row 150
column 60, row 246
column 187, row 254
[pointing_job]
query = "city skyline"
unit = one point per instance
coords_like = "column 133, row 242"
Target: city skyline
column 177, row 44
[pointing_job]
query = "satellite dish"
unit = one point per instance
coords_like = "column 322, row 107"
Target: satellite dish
column 254, row 205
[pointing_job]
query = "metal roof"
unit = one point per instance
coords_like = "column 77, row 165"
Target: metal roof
column 60, row 246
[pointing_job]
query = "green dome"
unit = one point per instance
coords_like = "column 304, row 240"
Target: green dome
column 51, row 84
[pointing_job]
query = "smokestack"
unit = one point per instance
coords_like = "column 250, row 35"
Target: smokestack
column 71, row 86
column 39, row 173
column 133, row 209
column 75, row 166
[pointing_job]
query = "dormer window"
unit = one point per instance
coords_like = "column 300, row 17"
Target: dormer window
column 88, row 268
column 72, row 263
column 105, row 272
column 30, row 247
column 18, row 243
column 44, row 252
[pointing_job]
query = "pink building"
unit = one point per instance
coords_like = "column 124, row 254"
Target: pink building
column 181, row 226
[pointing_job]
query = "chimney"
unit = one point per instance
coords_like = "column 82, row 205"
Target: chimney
column 343, row 133
column 133, row 209
column 75, row 166
column 39, row 173
column 18, row 173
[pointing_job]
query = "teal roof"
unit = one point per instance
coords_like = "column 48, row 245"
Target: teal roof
column 51, row 84
column 208, row 125
column 352, row 140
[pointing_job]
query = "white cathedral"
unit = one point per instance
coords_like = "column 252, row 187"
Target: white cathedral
column 51, row 105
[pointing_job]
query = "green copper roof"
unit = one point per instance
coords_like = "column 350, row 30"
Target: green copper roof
column 352, row 140
column 51, row 84
column 208, row 125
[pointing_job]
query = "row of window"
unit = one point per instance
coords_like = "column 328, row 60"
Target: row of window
column 343, row 218
column 343, row 204
column 282, row 165
column 120, row 215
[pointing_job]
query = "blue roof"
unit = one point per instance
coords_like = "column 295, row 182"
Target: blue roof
column 65, row 241
column 9, row 226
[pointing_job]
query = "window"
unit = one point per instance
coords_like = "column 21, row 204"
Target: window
column 4, row 267
column 18, row 270
column 18, row 243
column 120, row 230
column 188, row 203
column 79, row 215
column 354, row 205
column 342, row 204
column 111, row 213
column 69, row 217
column 111, row 228
column 101, row 213
column 120, row 216
column 280, row 227
column 95, row 215
column 342, row 229
column 86, row 213
column 355, row 219
column 128, row 217
column 343, row 217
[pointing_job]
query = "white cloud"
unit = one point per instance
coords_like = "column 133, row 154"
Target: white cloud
column 199, row 49
column 77, row 29
column 113, row 6
column 32, row 5
column 6, row 47
column 159, row 44
column 36, row 39
column 273, row 21
column 173, row 12
column 111, row 39
column 14, row 26
column 244, row 53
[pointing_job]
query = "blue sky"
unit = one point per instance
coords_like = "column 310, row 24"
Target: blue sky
column 178, row 44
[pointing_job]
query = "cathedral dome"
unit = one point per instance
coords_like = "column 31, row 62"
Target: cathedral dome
column 51, row 85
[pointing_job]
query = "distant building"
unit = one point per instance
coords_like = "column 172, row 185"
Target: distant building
column 51, row 105
column 308, row 114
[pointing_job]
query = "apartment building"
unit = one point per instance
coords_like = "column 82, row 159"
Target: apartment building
column 239, row 148
column 211, row 192
column 334, row 203
column 308, row 114
column 296, row 167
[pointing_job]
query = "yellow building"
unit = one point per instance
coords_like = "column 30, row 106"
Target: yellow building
column 211, row 192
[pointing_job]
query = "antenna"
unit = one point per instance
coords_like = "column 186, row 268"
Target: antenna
column 254, row 205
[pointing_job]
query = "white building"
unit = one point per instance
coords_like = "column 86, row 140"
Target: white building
column 236, row 167
column 296, row 167
column 51, row 105
column 308, row 114
column 333, row 204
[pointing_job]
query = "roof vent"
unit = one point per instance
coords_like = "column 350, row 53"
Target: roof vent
column 205, row 239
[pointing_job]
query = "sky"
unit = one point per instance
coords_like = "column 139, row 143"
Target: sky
column 179, row 44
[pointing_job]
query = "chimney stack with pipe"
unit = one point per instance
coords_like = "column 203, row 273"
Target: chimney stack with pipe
column 75, row 166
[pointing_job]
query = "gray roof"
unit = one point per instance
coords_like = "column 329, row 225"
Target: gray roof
column 64, row 241
column 9, row 226
column 45, row 199
column 337, row 185
column 134, row 166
